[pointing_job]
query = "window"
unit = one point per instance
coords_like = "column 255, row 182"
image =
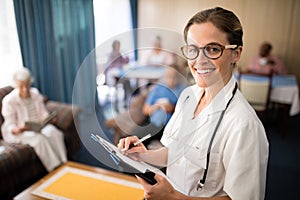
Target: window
column 112, row 21
column 10, row 53
column 112, row 17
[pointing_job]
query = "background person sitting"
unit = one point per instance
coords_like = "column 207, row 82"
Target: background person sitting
column 156, row 102
column 265, row 62
column 160, row 104
column 27, row 104
column 125, row 122
column 156, row 56
column 115, row 63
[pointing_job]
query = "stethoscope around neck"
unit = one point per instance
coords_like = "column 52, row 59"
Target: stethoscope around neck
column 201, row 182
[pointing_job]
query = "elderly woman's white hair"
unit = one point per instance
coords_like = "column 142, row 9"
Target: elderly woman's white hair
column 22, row 74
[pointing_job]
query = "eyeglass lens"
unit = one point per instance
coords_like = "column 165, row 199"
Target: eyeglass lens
column 211, row 51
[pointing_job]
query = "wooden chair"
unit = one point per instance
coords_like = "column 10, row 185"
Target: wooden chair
column 257, row 90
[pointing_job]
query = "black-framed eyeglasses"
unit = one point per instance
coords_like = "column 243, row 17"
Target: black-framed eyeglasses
column 212, row 51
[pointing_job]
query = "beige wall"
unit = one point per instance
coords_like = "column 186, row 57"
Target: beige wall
column 276, row 21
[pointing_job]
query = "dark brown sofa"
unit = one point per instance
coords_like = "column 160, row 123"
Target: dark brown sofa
column 19, row 165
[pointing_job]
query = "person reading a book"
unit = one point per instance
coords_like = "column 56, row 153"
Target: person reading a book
column 25, row 104
column 215, row 146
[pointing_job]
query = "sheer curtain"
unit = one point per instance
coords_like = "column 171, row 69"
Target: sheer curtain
column 10, row 54
column 112, row 22
column 112, row 17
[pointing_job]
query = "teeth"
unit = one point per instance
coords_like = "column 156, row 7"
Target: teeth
column 204, row 71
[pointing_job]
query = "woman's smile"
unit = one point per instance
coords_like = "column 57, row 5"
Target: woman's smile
column 204, row 71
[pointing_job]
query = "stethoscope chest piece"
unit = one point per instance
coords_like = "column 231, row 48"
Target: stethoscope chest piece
column 199, row 186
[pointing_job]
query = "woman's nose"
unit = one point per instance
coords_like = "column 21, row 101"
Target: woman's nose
column 25, row 90
column 201, row 58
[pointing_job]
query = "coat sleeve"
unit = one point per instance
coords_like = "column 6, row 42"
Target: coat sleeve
column 10, row 119
column 40, row 103
column 245, row 161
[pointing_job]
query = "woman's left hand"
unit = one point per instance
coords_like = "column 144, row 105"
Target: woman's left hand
column 160, row 191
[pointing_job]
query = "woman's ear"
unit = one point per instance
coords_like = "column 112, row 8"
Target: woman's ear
column 236, row 54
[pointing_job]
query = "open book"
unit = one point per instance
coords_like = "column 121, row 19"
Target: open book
column 126, row 164
column 37, row 126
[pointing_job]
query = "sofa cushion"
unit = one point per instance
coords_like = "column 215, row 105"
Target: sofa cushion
column 65, row 113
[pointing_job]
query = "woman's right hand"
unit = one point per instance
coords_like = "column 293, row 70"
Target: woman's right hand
column 19, row 130
column 139, row 152
column 124, row 144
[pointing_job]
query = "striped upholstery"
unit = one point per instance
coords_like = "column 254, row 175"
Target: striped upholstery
column 19, row 168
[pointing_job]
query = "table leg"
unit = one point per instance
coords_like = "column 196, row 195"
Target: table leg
column 283, row 116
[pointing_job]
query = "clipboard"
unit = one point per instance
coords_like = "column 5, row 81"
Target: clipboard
column 125, row 163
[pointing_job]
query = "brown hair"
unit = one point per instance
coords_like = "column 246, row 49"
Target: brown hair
column 115, row 42
column 265, row 49
column 224, row 20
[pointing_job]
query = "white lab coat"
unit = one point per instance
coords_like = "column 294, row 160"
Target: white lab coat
column 49, row 144
column 239, row 154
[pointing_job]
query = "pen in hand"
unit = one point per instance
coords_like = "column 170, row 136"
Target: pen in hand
column 137, row 142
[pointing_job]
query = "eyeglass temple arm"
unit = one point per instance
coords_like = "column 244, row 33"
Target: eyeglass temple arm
column 231, row 46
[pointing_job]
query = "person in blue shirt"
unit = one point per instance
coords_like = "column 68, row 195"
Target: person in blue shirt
column 160, row 104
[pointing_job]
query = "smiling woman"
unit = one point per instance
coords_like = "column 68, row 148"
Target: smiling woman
column 214, row 130
column 10, row 54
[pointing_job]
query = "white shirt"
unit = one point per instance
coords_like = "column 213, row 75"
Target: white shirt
column 152, row 58
column 239, row 154
column 31, row 109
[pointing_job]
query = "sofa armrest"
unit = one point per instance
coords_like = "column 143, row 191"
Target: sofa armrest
column 65, row 114
column 16, row 161
column 65, row 122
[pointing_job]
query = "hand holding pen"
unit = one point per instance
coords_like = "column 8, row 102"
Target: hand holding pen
column 127, row 144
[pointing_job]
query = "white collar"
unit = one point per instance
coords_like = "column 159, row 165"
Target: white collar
column 220, row 101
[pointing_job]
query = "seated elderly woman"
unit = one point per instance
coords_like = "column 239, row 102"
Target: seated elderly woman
column 24, row 104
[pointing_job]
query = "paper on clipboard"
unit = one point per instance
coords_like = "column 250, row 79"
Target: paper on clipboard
column 141, row 167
